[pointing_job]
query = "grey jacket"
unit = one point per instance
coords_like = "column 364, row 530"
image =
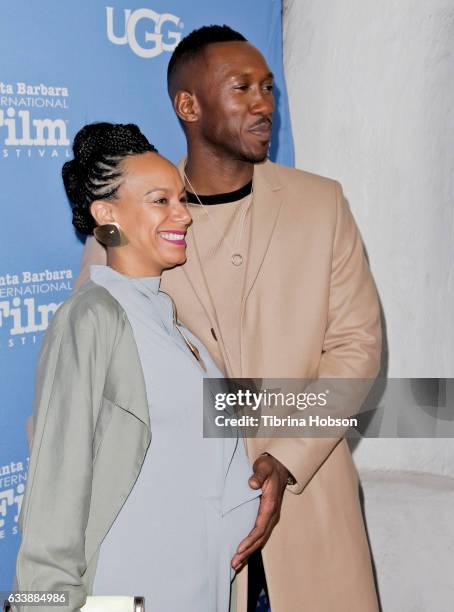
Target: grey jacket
column 90, row 393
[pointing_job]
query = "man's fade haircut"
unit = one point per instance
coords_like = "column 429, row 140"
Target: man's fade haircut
column 193, row 45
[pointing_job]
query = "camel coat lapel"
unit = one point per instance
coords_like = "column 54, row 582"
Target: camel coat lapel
column 264, row 214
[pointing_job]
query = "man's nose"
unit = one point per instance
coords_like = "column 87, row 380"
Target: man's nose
column 262, row 102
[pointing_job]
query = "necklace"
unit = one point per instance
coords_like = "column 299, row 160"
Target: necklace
column 191, row 346
column 236, row 257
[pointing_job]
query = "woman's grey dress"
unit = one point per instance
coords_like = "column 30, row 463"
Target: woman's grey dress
column 174, row 538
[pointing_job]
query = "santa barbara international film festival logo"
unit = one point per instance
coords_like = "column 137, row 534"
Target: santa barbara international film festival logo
column 32, row 120
column 28, row 303
column 13, row 477
column 157, row 31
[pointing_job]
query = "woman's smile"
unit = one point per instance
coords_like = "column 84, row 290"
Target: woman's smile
column 176, row 237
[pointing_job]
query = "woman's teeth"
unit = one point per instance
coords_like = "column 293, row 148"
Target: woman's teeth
column 171, row 236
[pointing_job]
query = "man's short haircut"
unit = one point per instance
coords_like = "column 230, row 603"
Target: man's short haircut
column 193, row 45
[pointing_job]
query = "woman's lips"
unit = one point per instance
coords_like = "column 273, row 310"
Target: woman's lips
column 174, row 237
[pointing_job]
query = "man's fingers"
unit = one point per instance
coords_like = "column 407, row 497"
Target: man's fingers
column 254, row 482
column 262, row 470
column 257, row 479
column 251, row 544
column 267, row 518
column 267, row 476
column 257, row 532
column 267, row 508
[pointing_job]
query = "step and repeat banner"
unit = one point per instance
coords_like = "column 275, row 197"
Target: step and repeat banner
column 62, row 65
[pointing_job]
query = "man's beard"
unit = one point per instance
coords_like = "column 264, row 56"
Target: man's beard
column 246, row 155
column 254, row 159
column 234, row 150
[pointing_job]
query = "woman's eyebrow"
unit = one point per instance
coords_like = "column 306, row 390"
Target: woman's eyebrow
column 156, row 189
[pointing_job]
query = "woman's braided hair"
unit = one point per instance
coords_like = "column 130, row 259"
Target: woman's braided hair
column 95, row 172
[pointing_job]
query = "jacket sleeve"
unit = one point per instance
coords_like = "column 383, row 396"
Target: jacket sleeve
column 69, row 385
column 93, row 253
column 352, row 343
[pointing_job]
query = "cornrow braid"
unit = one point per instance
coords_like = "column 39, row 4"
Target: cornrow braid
column 95, row 172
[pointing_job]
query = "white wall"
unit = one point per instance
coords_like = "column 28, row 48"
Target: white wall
column 371, row 89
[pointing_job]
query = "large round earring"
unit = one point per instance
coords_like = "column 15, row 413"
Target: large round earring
column 110, row 234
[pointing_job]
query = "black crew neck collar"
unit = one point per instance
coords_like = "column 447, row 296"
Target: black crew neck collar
column 221, row 198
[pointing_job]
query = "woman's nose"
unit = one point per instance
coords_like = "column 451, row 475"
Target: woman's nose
column 181, row 214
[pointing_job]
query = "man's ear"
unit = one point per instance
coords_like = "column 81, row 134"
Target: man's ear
column 101, row 210
column 186, row 106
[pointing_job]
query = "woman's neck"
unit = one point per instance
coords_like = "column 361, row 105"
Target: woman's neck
column 135, row 267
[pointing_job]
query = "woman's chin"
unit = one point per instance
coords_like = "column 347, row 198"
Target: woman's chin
column 175, row 261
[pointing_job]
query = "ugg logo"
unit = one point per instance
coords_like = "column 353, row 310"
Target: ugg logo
column 160, row 38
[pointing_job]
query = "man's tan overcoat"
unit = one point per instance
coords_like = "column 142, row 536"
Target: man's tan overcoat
column 310, row 309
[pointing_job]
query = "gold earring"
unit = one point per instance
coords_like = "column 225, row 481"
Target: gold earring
column 110, row 234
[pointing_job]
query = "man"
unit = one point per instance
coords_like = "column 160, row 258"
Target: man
column 276, row 286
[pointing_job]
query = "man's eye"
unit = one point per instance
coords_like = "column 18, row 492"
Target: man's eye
column 242, row 87
column 269, row 87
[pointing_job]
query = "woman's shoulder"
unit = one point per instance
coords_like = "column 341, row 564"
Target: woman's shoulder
column 90, row 307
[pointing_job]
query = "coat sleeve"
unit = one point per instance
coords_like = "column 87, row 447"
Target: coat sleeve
column 93, row 253
column 352, row 343
column 69, row 384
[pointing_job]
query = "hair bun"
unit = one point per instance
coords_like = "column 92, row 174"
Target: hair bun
column 88, row 141
column 95, row 138
column 71, row 179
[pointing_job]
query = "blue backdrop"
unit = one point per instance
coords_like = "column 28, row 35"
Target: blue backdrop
column 64, row 64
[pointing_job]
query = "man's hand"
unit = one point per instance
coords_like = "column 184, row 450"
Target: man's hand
column 271, row 476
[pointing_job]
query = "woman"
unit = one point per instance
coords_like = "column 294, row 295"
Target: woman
column 124, row 495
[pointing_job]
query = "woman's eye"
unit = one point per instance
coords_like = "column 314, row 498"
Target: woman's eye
column 242, row 87
column 269, row 87
column 160, row 201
